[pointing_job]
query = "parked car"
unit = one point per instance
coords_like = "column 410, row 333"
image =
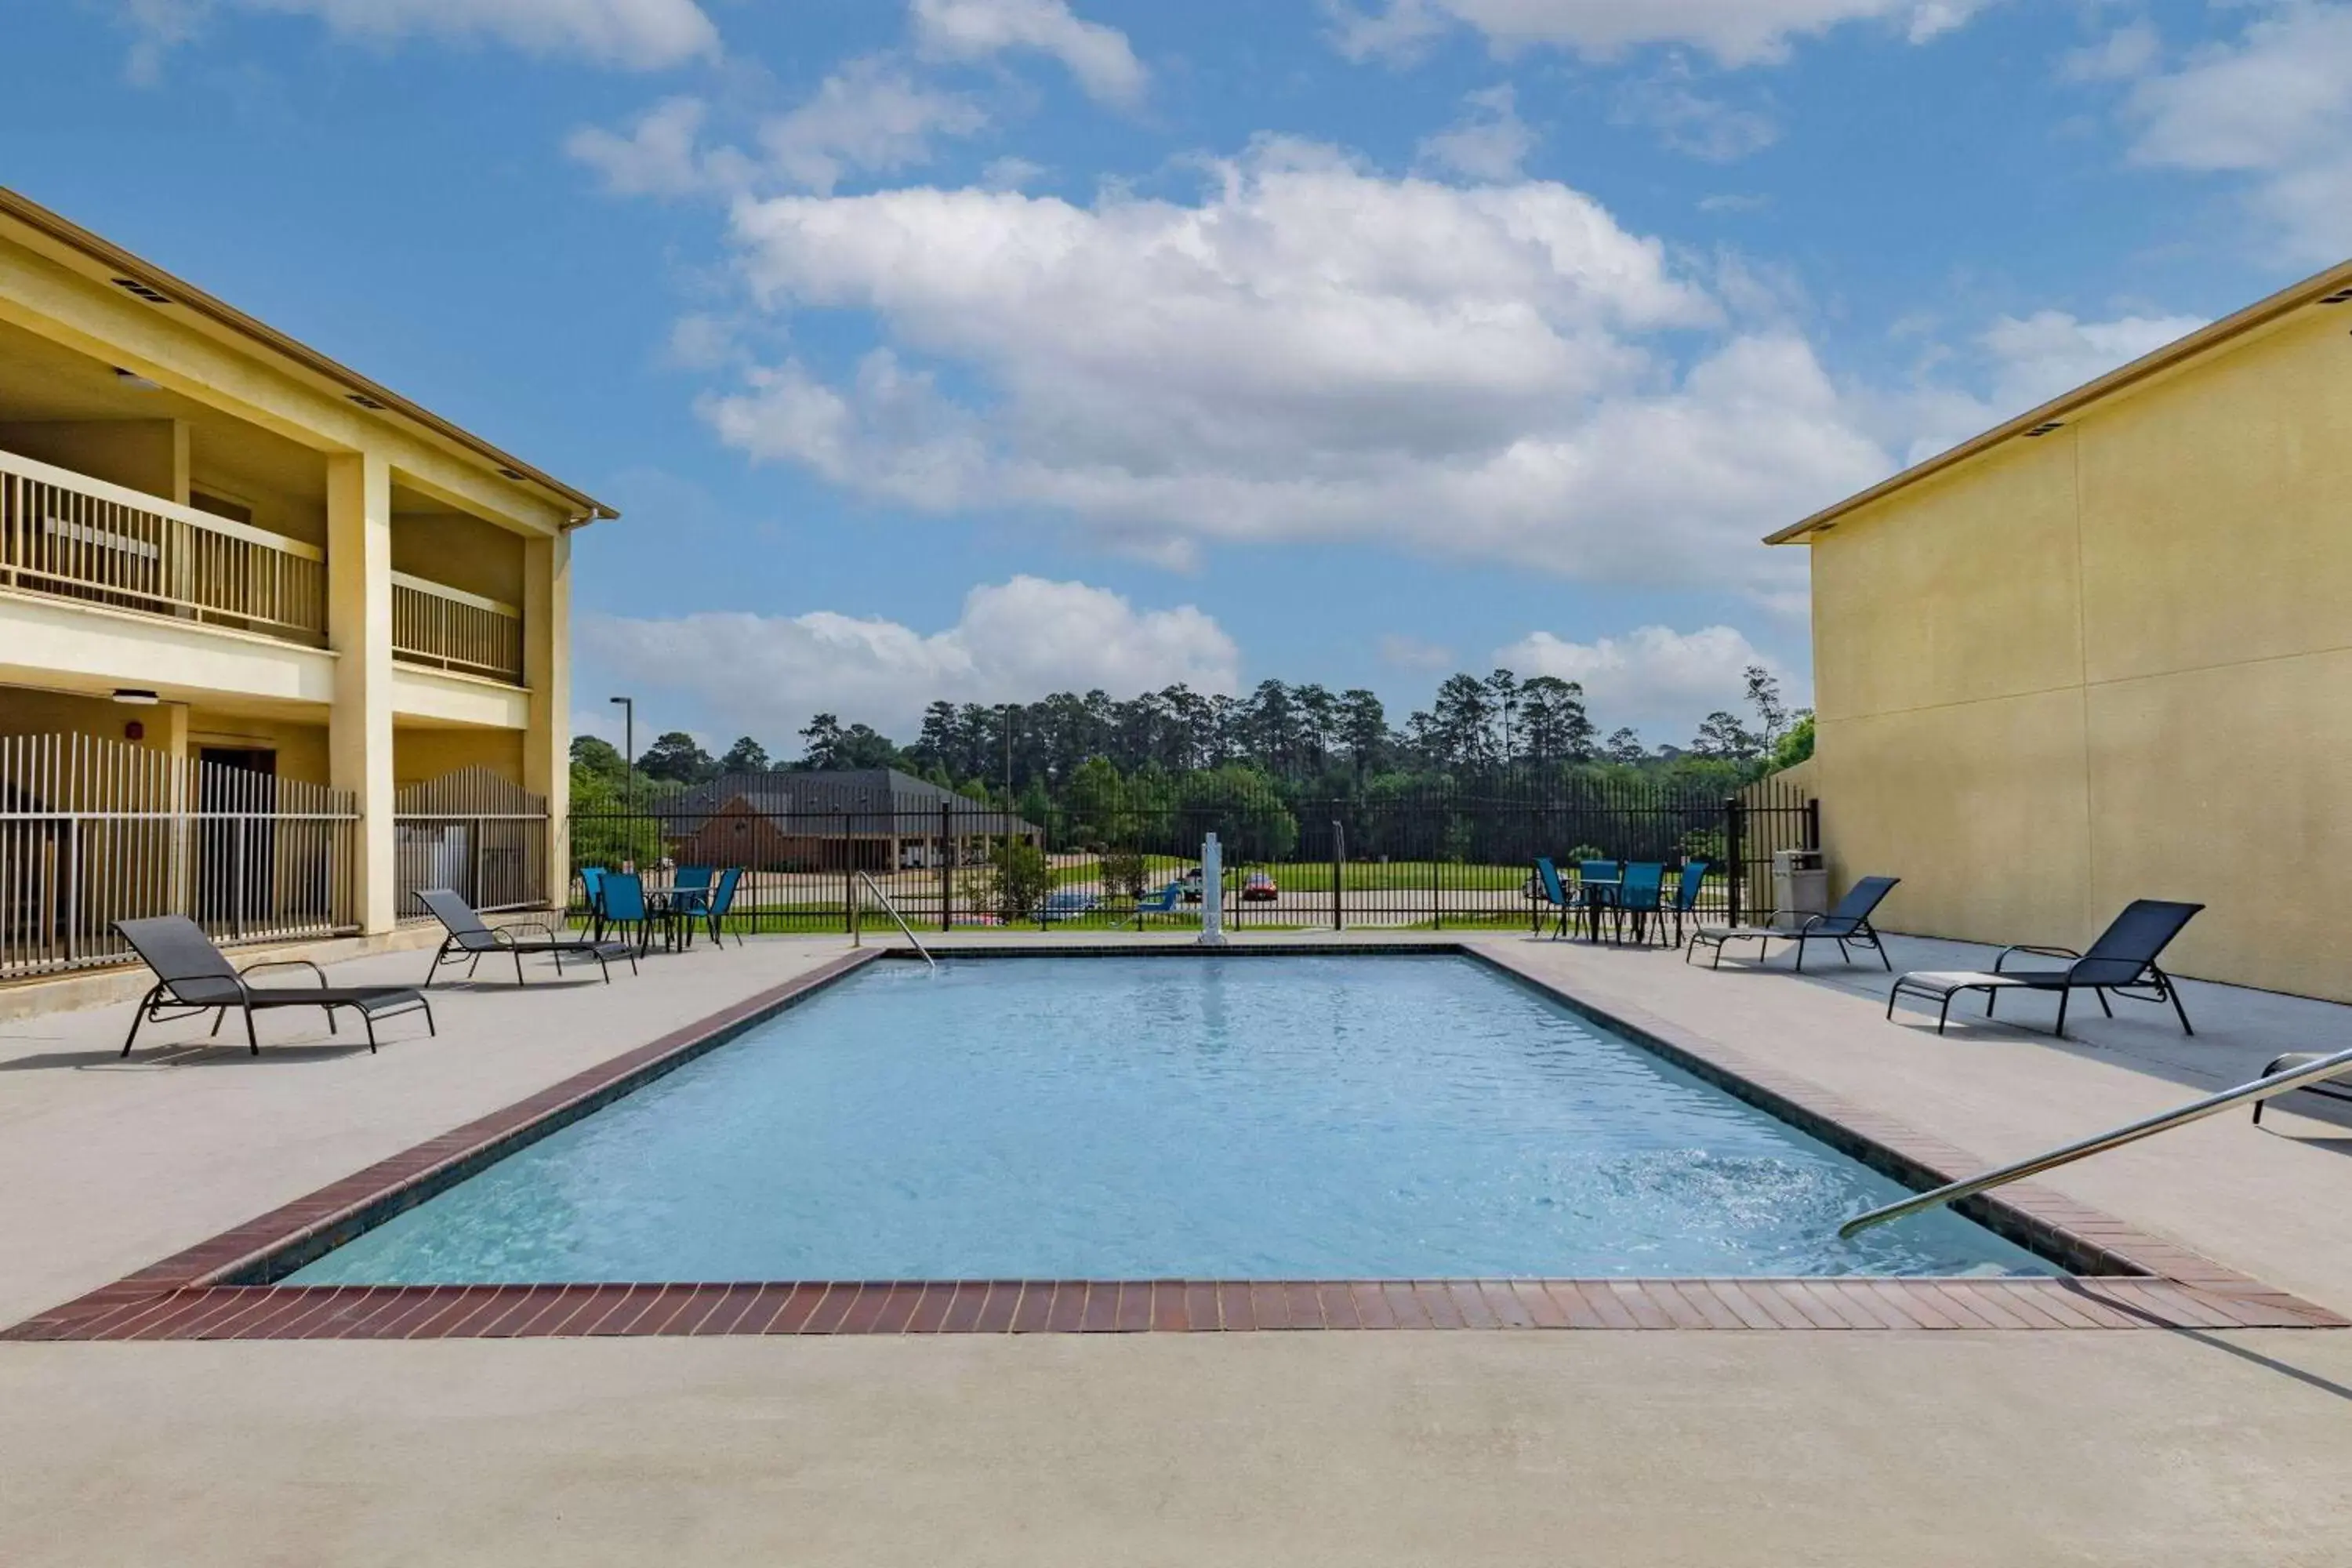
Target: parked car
column 1258, row 888
column 1067, row 905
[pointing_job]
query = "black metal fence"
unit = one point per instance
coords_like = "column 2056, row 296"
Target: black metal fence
column 1426, row 860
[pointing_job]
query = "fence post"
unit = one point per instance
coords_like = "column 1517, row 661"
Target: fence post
column 1734, row 851
column 848, row 878
column 1338, row 875
column 947, row 872
column 72, row 884
column 1436, row 891
column 238, row 917
column 1814, row 825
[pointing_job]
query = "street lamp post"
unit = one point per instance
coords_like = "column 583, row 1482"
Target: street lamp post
column 629, row 745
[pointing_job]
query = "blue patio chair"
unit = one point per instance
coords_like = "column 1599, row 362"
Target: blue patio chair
column 1687, row 896
column 1163, row 902
column 688, row 898
column 592, row 881
column 1641, row 897
column 722, row 898
column 1552, row 894
column 689, row 888
column 625, row 906
column 1596, row 886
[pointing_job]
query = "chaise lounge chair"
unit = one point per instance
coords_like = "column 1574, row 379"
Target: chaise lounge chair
column 1848, row 925
column 193, row 975
column 469, row 938
column 2338, row 1088
column 2122, row 961
column 1163, row 902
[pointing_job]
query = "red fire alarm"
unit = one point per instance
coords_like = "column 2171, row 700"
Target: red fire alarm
column 134, row 731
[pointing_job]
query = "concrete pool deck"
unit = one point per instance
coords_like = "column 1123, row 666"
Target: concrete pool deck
column 2224, row 1446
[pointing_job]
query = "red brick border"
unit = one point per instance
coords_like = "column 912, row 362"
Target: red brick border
column 1161, row 1305
column 197, row 1294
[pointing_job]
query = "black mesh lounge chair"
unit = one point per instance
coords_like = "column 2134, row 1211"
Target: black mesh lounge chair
column 192, row 975
column 2123, row 961
column 2338, row 1087
column 469, row 938
column 1848, row 925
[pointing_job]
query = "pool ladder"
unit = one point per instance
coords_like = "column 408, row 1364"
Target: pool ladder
column 858, row 927
column 2261, row 1089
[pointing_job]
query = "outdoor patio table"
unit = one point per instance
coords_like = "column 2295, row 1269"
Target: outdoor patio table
column 1597, row 893
column 677, row 907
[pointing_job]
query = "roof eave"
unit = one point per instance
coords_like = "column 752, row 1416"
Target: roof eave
column 99, row 248
column 2261, row 313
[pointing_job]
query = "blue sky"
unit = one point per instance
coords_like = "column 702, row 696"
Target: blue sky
column 975, row 348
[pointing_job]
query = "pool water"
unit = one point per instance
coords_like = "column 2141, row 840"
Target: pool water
column 1152, row 1117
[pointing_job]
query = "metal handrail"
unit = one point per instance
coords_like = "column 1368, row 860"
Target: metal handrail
column 2260, row 1090
column 857, row 929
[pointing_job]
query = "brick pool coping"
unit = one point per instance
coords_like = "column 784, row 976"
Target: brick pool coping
column 221, row 1288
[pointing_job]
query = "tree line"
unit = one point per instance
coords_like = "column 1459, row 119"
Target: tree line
column 1302, row 739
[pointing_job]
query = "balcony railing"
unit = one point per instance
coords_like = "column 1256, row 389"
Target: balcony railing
column 454, row 630
column 80, row 537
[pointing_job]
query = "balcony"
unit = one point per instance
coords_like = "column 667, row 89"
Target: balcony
column 80, row 537
column 453, row 630
column 76, row 537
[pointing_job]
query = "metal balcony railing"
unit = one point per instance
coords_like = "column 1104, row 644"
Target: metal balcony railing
column 455, row 630
column 66, row 534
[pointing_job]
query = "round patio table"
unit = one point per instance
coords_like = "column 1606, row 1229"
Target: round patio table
column 677, row 908
column 1596, row 894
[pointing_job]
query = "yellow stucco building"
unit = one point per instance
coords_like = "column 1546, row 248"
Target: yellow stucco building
column 2104, row 652
column 218, row 545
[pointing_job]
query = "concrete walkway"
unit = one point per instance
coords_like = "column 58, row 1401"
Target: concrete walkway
column 1665, row 1449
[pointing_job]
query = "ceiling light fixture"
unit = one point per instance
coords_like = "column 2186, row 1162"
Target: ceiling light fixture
column 136, row 696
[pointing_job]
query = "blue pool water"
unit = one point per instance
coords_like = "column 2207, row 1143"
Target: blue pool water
column 1147, row 1117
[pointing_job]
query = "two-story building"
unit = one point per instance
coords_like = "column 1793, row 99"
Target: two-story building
column 2103, row 652
column 274, row 641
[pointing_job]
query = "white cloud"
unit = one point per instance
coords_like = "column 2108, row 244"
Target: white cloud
column 1011, row 173
column 632, row 34
column 1489, row 142
column 868, row 117
column 661, row 155
column 1099, row 57
column 2128, row 52
column 2041, row 356
column 2023, row 363
column 1400, row 651
column 1736, row 32
column 1657, row 680
column 1310, row 352
column 765, row 674
column 871, row 116
column 2274, row 107
column 1689, row 122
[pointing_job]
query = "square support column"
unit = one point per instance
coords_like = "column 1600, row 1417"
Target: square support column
column 359, row 628
column 547, row 671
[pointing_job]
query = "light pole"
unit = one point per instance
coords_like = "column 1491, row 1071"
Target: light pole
column 629, row 745
column 1008, row 756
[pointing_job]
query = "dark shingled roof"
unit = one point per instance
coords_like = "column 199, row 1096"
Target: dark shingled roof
column 870, row 795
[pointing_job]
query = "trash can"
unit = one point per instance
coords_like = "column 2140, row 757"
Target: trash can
column 1801, row 886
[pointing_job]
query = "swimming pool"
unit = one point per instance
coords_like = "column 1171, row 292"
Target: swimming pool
column 1356, row 1117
